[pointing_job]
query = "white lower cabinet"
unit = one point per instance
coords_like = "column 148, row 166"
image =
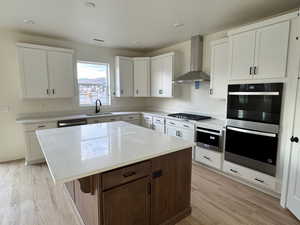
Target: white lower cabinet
column 34, row 152
column 250, row 175
column 158, row 124
column 208, row 157
column 147, row 121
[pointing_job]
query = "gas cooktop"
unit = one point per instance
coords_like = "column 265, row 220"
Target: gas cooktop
column 187, row 116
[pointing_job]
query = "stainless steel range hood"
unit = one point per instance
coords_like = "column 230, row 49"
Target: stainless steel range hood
column 196, row 73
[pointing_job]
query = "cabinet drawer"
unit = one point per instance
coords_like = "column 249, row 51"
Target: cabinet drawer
column 234, row 169
column 250, row 175
column 39, row 126
column 262, row 179
column 158, row 120
column 208, row 157
column 147, row 117
column 180, row 124
column 125, row 174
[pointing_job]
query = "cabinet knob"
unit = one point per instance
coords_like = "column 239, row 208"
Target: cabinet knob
column 47, row 91
column 160, row 92
column 53, row 91
column 211, row 91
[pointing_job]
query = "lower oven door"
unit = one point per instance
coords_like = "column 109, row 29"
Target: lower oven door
column 253, row 149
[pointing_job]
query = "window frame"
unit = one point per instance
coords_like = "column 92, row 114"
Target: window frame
column 87, row 106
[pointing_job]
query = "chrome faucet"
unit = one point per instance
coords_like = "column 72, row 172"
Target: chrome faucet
column 98, row 108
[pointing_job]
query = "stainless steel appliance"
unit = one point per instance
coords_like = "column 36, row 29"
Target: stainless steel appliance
column 253, row 114
column 187, row 116
column 255, row 102
column 71, row 123
column 209, row 139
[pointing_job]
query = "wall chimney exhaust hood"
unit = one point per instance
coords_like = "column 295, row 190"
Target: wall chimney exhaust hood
column 196, row 73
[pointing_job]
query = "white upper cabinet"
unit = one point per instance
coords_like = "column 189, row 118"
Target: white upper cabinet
column 124, row 76
column 61, row 74
column 219, row 68
column 259, row 51
column 46, row 72
column 162, row 74
column 141, row 77
column 33, row 68
column 271, row 51
column 242, row 50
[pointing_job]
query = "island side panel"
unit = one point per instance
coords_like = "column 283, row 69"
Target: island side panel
column 70, row 189
column 88, row 204
column 171, row 187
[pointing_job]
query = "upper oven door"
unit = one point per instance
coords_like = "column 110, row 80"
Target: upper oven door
column 255, row 102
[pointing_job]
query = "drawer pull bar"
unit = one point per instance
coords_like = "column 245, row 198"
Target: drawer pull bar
column 41, row 126
column 261, row 181
column 234, row 171
column 129, row 174
column 205, row 157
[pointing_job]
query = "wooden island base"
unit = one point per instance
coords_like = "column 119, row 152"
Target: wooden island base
column 152, row 192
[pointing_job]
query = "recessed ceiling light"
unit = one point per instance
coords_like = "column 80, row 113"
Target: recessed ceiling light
column 90, row 4
column 98, row 40
column 178, row 25
column 29, row 21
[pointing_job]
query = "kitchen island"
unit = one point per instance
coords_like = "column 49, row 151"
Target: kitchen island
column 121, row 174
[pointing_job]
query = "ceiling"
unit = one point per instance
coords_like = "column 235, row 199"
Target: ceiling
column 135, row 24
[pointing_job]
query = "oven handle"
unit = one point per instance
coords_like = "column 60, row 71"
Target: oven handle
column 254, row 93
column 252, row 132
column 209, row 132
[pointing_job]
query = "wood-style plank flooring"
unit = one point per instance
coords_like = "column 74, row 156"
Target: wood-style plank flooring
column 29, row 197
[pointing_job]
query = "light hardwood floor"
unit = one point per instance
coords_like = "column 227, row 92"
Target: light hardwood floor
column 29, row 197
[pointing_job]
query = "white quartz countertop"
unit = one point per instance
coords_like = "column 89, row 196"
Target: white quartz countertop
column 76, row 152
column 51, row 118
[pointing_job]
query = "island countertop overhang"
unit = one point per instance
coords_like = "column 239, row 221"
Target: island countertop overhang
column 76, row 152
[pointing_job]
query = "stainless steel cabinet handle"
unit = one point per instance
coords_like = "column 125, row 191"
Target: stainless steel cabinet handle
column 252, row 132
column 254, row 70
column 137, row 91
column 160, row 92
column 250, row 70
column 254, row 93
column 259, row 180
column 41, row 126
column 47, row 91
column 53, row 91
column 122, row 92
column 234, row 171
column 205, row 157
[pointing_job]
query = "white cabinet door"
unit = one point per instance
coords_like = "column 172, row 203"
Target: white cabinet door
column 171, row 131
column 293, row 202
column 141, row 76
column 159, row 127
column 242, row 50
column 33, row 66
column 271, row 51
column 186, row 134
column 156, row 78
column 124, row 77
column 61, row 74
column 167, row 76
column 162, row 74
column 34, row 152
column 219, row 69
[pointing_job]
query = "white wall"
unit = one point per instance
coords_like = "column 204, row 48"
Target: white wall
column 186, row 97
column 11, row 136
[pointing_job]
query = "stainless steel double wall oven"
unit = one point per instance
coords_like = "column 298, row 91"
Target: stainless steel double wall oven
column 253, row 120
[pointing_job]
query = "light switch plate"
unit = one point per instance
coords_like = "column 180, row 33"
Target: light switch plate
column 4, row 108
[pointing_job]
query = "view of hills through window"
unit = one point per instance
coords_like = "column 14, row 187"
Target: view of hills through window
column 93, row 83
